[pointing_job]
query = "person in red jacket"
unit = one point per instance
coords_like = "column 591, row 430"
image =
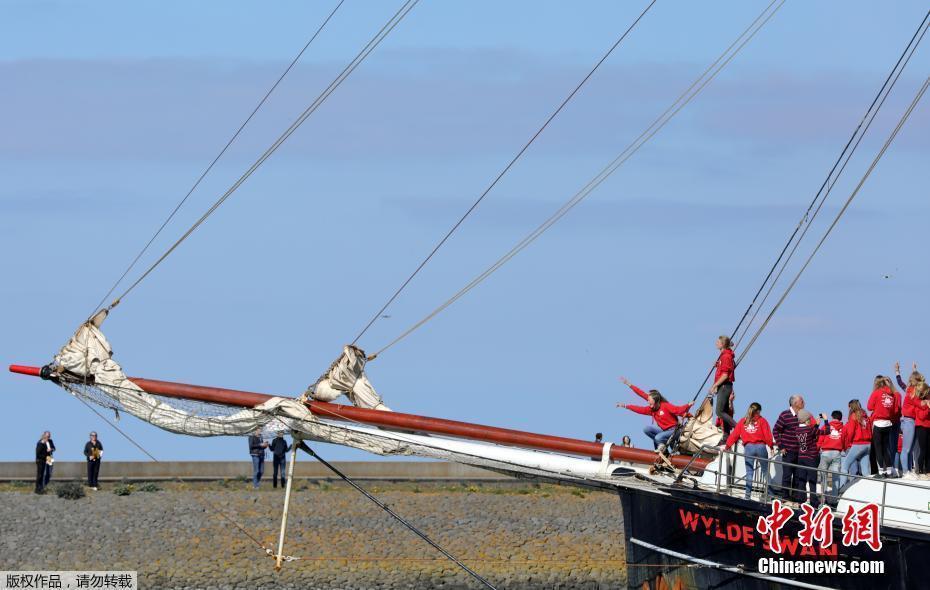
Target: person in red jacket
column 908, row 451
column 831, row 446
column 664, row 414
column 922, row 431
column 857, row 438
column 756, row 435
column 885, row 405
column 724, row 376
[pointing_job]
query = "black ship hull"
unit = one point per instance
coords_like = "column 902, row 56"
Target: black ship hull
column 678, row 538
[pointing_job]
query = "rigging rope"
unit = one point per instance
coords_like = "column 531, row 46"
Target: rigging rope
column 807, row 218
column 303, row 446
column 500, row 175
column 868, row 172
column 356, row 61
column 206, row 503
column 683, row 99
column 216, row 159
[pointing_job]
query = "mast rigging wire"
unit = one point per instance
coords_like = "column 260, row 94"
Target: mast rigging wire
column 807, row 218
column 303, row 446
column 683, row 99
column 506, row 169
column 356, row 61
column 217, row 158
column 868, row 172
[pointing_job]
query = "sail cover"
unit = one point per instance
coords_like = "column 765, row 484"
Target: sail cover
column 347, row 376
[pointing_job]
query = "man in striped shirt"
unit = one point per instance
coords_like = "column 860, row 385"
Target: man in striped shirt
column 786, row 433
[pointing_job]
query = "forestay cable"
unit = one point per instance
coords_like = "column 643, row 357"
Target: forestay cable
column 217, row 158
column 683, row 99
column 808, row 218
column 494, row 182
column 832, row 176
column 364, row 53
column 303, row 446
column 868, row 172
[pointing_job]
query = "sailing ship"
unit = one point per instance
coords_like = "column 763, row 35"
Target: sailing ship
column 686, row 523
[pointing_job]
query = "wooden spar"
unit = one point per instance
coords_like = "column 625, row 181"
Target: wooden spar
column 399, row 420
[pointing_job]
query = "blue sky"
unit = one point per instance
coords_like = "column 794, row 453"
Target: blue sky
column 111, row 110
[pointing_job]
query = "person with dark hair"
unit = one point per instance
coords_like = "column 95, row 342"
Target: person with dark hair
column 830, row 442
column 785, row 432
column 754, row 432
column 808, row 458
column 42, row 456
column 885, row 405
column 598, row 437
column 279, row 449
column 724, row 376
column 626, row 441
column 664, row 414
column 93, row 452
column 257, row 448
column 49, row 460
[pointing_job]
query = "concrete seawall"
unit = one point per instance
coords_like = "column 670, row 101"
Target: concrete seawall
column 213, row 470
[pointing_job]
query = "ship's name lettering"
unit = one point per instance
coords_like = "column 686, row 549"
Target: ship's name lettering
column 733, row 532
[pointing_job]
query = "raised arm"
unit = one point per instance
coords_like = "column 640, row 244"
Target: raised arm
column 635, row 389
column 644, row 410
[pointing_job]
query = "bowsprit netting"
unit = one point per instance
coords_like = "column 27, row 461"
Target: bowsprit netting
column 85, row 368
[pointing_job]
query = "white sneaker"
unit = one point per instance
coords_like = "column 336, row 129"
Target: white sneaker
column 909, row 475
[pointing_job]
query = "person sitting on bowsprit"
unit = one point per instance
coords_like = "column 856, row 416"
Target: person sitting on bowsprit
column 663, row 413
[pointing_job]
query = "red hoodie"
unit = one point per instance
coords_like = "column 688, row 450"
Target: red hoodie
column 831, row 436
column 857, row 432
column 885, row 404
column 910, row 404
column 725, row 364
column 665, row 417
column 754, row 433
column 921, row 414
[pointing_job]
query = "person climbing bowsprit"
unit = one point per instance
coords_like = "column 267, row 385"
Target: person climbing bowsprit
column 664, row 414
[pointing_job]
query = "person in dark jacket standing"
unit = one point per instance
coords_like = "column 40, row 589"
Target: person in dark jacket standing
column 41, row 458
column 724, row 376
column 257, row 450
column 279, row 449
column 93, row 452
column 808, row 458
column 786, row 433
column 49, row 460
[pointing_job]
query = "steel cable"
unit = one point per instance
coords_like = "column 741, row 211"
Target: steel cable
column 683, row 99
column 359, row 58
column 217, row 158
column 507, row 168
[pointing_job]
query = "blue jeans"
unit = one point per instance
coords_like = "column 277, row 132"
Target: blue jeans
column 831, row 461
column 258, row 469
column 856, row 461
column 756, row 452
column 48, row 474
column 907, row 446
column 657, row 435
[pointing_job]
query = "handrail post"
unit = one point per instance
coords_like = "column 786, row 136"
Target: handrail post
column 881, row 516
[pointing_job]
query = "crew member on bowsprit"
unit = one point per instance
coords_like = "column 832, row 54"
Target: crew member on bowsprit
column 724, row 376
column 663, row 413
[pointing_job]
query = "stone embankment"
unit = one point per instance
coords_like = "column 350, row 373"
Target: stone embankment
column 516, row 535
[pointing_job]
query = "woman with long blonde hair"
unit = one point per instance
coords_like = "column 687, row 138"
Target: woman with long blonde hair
column 908, row 416
column 885, row 405
column 857, row 439
column 922, row 431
